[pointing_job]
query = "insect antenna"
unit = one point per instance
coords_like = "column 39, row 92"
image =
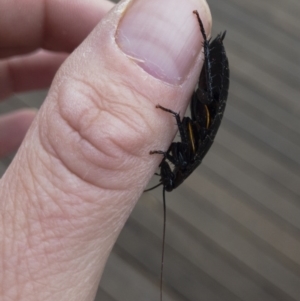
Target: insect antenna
column 163, row 244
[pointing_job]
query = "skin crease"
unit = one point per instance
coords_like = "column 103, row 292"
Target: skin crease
column 66, row 196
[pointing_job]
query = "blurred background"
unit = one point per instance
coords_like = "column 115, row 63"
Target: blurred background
column 233, row 227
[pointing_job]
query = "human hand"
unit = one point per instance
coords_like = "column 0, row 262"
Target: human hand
column 85, row 159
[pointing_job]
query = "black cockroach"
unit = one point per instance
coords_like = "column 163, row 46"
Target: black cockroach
column 198, row 132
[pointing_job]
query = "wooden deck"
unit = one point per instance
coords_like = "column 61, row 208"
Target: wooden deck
column 233, row 228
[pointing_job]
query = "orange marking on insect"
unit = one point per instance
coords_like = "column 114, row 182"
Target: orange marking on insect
column 192, row 140
column 208, row 116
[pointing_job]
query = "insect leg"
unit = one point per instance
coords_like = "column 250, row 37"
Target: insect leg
column 165, row 154
column 205, row 93
column 182, row 132
column 176, row 115
column 159, row 152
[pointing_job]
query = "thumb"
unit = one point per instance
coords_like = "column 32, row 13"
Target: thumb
column 85, row 160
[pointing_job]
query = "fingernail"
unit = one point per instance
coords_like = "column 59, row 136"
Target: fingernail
column 162, row 36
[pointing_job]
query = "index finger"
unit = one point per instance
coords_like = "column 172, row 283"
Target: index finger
column 53, row 25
